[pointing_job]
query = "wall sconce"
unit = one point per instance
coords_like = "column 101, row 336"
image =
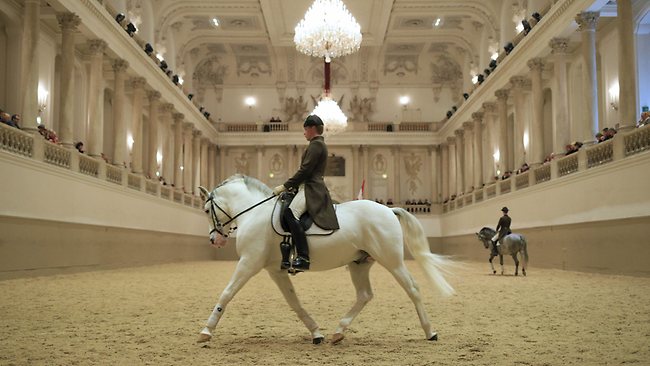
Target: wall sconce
column 526, row 141
column 250, row 102
column 613, row 96
column 130, row 141
column 42, row 99
column 496, row 156
column 404, row 100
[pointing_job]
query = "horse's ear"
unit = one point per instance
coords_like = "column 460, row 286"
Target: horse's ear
column 204, row 193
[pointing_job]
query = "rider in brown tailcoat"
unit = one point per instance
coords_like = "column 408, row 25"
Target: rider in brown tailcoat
column 312, row 194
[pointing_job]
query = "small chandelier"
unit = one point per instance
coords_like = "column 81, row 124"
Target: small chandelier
column 328, row 30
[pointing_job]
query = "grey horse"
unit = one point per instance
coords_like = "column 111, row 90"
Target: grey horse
column 510, row 244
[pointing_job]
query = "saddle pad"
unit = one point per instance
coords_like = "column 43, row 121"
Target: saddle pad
column 277, row 226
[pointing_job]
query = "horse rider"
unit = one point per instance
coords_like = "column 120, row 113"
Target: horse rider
column 312, row 194
column 503, row 229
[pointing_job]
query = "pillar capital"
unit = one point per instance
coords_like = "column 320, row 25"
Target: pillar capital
column 138, row 82
column 451, row 140
column 96, row 46
column 501, row 94
column 518, row 82
column 166, row 108
column 197, row 134
column 587, row 20
column 120, row 65
column 559, row 46
column 490, row 107
column 68, row 21
column 536, row 64
column 477, row 116
column 468, row 126
column 188, row 127
column 153, row 95
column 459, row 132
column 178, row 117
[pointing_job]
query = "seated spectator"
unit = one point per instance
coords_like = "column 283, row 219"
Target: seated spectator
column 6, row 119
column 389, row 202
column 15, row 119
column 548, row 158
column 48, row 134
column 506, row 175
column 608, row 133
column 600, row 137
column 79, row 146
column 645, row 119
column 573, row 148
column 523, row 168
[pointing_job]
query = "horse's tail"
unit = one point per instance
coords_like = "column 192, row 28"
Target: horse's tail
column 524, row 251
column 432, row 264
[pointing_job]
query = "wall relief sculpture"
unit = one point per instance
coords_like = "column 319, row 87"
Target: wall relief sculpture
column 379, row 164
column 413, row 166
column 401, row 65
column 276, row 164
column 210, row 72
column 445, row 72
column 253, row 66
column 242, row 164
column 361, row 108
column 295, row 109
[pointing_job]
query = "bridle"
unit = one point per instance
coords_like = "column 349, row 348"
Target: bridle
column 217, row 225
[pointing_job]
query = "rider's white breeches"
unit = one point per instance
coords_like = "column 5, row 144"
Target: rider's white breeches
column 495, row 237
column 299, row 204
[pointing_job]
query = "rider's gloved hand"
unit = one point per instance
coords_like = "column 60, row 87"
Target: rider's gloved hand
column 279, row 189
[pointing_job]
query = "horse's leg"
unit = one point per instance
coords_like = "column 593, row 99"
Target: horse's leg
column 514, row 257
column 501, row 260
column 494, row 271
column 359, row 272
column 286, row 287
column 245, row 271
column 407, row 282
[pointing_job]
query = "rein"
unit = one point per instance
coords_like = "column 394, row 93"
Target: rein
column 215, row 221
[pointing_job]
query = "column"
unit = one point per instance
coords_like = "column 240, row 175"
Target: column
column 178, row 150
column 167, row 137
column 196, row 161
column 137, row 85
column 188, row 128
column 356, row 182
column 478, row 149
column 434, row 154
column 154, row 139
column 366, row 166
column 561, row 128
column 395, row 176
column 518, row 86
column 626, row 64
column 444, row 147
column 95, row 102
column 451, row 141
column 119, row 122
column 587, row 26
column 536, row 66
column 460, row 162
column 211, row 166
column 259, row 151
column 205, row 173
column 502, row 131
column 29, row 79
column 491, row 141
column 468, row 160
column 222, row 163
column 68, row 23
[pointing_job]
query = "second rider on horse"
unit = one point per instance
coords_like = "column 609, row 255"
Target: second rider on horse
column 312, row 194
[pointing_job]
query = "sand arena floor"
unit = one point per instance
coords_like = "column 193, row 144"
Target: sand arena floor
column 152, row 315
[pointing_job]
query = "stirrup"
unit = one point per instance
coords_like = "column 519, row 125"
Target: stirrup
column 285, row 265
column 300, row 263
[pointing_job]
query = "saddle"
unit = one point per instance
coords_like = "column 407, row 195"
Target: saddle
column 306, row 221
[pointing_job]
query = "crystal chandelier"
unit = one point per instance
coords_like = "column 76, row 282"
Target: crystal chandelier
column 328, row 30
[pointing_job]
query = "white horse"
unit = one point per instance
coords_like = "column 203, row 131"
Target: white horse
column 366, row 228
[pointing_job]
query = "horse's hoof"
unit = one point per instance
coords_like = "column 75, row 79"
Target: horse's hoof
column 494, row 272
column 203, row 338
column 337, row 337
column 516, row 274
column 318, row 340
column 434, row 337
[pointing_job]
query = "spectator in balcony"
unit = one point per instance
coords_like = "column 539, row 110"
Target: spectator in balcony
column 48, row 134
column 524, row 168
column 506, row 175
column 6, row 119
column 573, row 148
column 600, row 137
column 79, row 146
column 645, row 119
column 15, row 119
column 548, row 158
column 608, row 133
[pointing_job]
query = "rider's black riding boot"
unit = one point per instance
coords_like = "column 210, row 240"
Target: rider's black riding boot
column 299, row 239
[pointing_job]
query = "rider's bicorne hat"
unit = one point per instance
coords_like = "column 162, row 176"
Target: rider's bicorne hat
column 504, row 209
column 313, row 120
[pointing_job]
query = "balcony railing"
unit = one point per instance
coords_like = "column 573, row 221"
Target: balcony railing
column 25, row 146
column 623, row 145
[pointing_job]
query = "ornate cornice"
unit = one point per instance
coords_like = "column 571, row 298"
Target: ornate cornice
column 489, row 107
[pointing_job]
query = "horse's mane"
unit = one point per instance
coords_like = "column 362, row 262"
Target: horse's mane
column 250, row 182
column 485, row 228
